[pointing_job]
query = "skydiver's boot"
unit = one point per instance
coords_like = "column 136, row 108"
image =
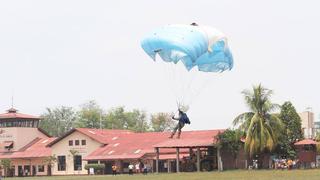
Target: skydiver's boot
column 171, row 136
column 179, row 133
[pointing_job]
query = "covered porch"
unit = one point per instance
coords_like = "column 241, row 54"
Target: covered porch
column 202, row 156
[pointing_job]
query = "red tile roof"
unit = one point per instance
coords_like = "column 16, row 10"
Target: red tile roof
column 305, row 142
column 103, row 136
column 185, row 143
column 130, row 146
column 137, row 145
column 192, row 139
column 12, row 114
column 36, row 148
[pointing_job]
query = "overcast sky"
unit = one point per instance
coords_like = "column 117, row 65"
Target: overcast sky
column 64, row 52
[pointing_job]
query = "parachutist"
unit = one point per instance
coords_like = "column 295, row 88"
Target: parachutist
column 183, row 119
column 194, row 24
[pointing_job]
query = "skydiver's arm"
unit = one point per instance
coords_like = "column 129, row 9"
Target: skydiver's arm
column 177, row 119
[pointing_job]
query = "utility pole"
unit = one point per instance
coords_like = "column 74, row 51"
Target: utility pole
column 100, row 119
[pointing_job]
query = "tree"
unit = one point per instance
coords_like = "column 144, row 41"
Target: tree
column 292, row 130
column 6, row 164
column 261, row 127
column 90, row 115
column 230, row 140
column 162, row 122
column 58, row 121
column 74, row 153
column 115, row 118
column 137, row 121
column 49, row 161
column 118, row 118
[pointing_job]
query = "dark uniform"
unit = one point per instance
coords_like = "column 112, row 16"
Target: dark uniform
column 183, row 118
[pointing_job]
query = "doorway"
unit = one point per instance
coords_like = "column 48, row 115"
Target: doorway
column 20, row 171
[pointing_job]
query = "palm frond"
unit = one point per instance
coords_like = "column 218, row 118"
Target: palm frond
column 243, row 120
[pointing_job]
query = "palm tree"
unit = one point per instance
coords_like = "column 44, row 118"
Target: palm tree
column 260, row 125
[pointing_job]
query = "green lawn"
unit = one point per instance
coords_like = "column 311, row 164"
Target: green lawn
column 226, row 175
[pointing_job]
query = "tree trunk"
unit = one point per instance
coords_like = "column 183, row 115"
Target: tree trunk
column 261, row 160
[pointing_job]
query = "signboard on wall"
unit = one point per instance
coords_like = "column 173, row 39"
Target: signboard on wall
column 80, row 150
column 4, row 135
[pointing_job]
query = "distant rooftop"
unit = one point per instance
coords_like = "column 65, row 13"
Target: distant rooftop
column 14, row 119
column 12, row 113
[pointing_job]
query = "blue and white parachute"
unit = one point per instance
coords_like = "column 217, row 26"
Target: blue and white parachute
column 195, row 46
column 188, row 52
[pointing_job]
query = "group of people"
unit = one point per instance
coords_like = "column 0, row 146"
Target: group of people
column 285, row 164
column 139, row 167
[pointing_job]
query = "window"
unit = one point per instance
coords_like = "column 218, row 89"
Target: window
column 40, row 168
column 70, row 143
column 92, row 162
column 26, row 169
column 308, row 147
column 77, row 162
column 8, row 145
column 83, row 142
column 61, row 163
column 76, row 142
column 125, row 164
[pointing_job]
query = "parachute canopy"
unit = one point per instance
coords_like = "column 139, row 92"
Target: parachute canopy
column 195, row 46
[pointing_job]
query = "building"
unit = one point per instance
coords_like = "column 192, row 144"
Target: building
column 307, row 153
column 33, row 152
column 317, row 127
column 83, row 146
column 307, row 124
column 23, row 143
column 71, row 148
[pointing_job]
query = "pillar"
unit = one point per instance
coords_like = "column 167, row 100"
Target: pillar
column 157, row 160
column 220, row 165
column 190, row 152
column 178, row 160
column 169, row 165
column 198, row 159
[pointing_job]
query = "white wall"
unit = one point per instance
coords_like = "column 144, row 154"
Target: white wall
column 62, row 148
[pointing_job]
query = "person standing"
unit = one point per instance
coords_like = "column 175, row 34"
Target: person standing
column 130, row 169
column 114, row 169
column 145, row 169
column 137, row 166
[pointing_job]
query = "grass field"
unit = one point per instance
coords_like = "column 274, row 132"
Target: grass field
column 226, row 175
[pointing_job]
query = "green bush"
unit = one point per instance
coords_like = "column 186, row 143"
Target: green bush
column 96, row 167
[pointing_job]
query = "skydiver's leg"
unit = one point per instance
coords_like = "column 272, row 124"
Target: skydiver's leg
column 174, row 130
column 181, row 125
